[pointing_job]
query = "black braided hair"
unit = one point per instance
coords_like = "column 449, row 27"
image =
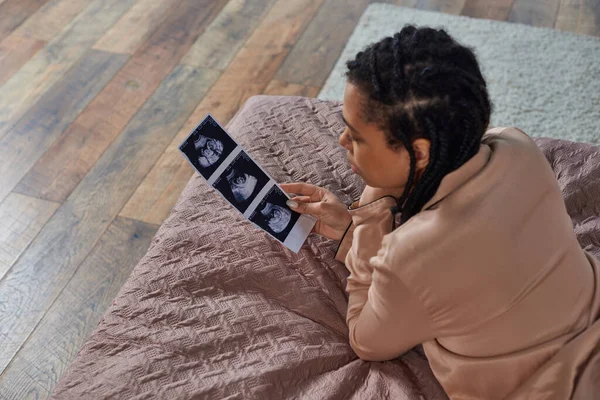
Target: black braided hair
column 421, row 83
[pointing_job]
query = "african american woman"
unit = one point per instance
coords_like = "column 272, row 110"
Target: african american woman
column 482, row 267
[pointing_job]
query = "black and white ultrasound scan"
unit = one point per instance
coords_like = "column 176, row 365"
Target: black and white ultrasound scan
column 207, row 147
column 244, row 184
column 241, row 181
column 274, row 216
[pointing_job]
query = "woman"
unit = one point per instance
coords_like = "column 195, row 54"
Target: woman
column 484, row 268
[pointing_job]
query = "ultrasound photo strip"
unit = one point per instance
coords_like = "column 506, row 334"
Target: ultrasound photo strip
column 244, row 184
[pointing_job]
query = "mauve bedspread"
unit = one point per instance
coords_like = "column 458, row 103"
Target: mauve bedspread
column 217, row 309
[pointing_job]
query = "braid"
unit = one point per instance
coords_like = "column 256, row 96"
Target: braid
column 411, row 174
column 466, row 148
column 421, row 83
column 464, row 144
column 398, row 78
column 433, row 174
column 375, row 75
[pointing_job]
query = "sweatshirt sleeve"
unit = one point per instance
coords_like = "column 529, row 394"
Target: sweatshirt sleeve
column 384, row 318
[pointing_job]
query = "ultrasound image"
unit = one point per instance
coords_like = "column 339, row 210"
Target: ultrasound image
column 241, row 181
column 274, row 216
column 209, row 150
column 207, row 147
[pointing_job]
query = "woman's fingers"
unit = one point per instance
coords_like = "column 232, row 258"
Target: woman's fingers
column 295, row 201
column 313, row 209
column 306, row 189
column 304, row 199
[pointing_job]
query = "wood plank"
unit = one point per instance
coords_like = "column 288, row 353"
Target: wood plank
column 52, row 114
column 135, row 26
column 21, row 218
column 51, row 18
column 446, row 6
column 579, row 16
column 14, row 12
column 227, row 33
column 534, row 12
column 268, row 46
column 248, row 74
column 15, row 51
column 314, row 55
column 498, row 10
column 589, row 18
column 39, row 365
column 57, row 173
column 164, row 193
column 281, row 88
column 66, row 240
column 50, row 64
column 396, row 2
column 406, row 3
column 567, row 18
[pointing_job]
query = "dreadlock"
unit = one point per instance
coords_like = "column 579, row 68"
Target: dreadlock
column 421, row 83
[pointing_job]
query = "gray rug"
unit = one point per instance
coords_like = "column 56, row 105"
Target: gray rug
column 541, row 80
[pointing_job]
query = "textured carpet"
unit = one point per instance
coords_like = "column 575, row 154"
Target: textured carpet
column 541, row 80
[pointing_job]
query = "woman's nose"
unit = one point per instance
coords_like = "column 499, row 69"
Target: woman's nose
column 343, row 140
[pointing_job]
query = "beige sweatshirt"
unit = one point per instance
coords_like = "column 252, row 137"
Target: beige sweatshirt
column 489, row 277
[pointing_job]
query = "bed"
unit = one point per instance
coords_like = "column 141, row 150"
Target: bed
column 218, row 309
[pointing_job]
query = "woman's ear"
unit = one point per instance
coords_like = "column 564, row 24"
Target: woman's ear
column 421, row 148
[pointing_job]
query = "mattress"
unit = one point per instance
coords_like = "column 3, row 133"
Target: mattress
column 218, row 309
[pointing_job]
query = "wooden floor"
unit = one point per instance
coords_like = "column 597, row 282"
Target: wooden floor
column 95, row 95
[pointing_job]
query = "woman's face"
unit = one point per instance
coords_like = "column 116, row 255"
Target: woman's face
column 377, row 164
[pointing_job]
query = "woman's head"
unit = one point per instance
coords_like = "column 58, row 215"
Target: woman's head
column 417, row 106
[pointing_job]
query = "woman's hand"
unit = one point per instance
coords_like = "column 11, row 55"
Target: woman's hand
column 332, row 215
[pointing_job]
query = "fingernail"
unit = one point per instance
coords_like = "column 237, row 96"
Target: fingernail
column 291, row 204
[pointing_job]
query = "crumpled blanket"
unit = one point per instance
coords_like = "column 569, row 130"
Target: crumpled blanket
column 217, row 309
